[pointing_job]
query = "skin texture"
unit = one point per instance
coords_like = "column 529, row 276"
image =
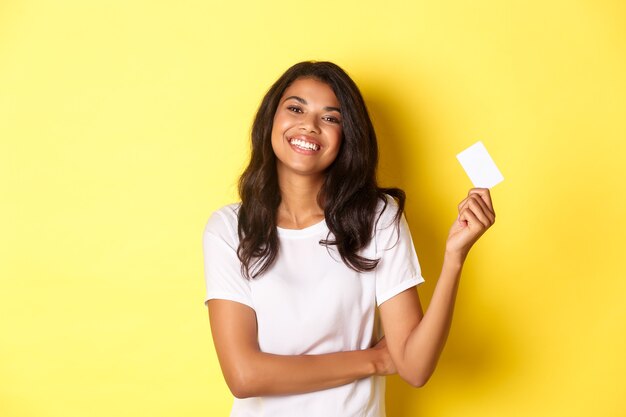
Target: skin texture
column 414, row 340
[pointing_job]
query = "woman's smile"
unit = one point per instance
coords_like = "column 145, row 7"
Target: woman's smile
column 304, row 144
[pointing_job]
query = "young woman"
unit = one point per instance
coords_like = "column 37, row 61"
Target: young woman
column 301, row 272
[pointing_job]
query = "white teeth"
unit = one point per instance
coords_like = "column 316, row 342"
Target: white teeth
column 304, row 144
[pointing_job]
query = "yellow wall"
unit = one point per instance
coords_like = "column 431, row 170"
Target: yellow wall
column 123, row 124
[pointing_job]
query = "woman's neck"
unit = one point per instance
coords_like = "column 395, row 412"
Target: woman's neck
column 299, row 207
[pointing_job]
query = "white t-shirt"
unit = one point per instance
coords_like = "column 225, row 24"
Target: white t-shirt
column 310, row 302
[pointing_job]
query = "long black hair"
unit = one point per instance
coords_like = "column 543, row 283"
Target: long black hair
column 349, row 194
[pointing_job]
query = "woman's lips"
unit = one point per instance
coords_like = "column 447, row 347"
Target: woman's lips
column 304, row 145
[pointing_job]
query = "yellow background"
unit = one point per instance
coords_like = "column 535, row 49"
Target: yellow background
column 124, row 124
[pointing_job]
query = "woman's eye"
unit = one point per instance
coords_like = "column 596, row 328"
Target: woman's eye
column 294, row 109
column 331, row 119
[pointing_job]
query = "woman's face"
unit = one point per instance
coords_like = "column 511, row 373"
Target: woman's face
column 307, row 132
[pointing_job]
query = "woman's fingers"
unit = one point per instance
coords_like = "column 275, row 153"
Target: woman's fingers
column 476, row 203
column 476, row 215
column 475, row 211
column 472, row 219
column 385, row 364
column 485, row 210
column 485, row 196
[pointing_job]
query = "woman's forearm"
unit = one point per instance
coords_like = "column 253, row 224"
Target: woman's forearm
column 263, row 374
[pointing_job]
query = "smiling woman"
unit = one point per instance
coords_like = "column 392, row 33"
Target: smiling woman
column 296, row 271
column 306, row 132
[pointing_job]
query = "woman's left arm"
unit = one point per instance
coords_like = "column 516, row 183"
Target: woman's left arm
column 415, row 339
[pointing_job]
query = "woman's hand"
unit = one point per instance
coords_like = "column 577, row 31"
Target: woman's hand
column 384, row 364
column 476, row 215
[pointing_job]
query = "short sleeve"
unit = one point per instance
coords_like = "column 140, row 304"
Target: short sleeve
column 398, row 268
column 222, row 268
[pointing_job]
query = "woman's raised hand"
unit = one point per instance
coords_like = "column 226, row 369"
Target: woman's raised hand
column 476, row 215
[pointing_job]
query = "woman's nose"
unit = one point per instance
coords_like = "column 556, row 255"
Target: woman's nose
column 310, row 122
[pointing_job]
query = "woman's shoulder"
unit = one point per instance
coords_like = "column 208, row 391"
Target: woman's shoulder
column 386, row 212
column 223, row 221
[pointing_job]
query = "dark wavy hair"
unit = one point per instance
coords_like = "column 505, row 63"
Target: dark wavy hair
column 349, row 194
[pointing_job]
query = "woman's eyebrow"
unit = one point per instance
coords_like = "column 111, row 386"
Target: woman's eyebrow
column 303, row 101
column 300, row 99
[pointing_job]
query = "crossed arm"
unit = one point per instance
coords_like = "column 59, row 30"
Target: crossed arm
column 413, row 340
column 249, row 372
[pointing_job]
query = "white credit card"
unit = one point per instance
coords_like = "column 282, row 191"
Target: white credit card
column 479, row 166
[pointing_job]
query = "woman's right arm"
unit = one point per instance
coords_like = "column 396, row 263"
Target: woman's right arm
column 252, row 373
